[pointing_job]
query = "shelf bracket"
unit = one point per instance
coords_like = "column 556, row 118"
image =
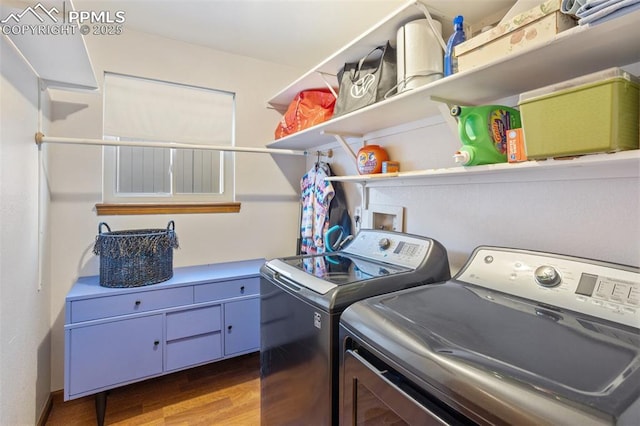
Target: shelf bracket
column 340, row 138
column 444, row 106
column 331, row 89
column 364, row 197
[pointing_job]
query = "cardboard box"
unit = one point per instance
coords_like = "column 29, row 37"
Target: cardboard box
column 595, row 113
column 516, row 151
column 390, row 166
column 521, row 32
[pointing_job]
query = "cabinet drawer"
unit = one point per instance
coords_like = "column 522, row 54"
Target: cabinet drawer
column 193, row 322
column 193, row 350
column 130, row 303
column 227, row 289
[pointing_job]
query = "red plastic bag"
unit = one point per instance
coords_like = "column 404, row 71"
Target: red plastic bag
column 308, row 108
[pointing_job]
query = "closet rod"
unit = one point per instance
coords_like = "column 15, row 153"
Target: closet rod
column 41, row 138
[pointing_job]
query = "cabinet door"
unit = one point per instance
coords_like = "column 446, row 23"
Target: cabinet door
column 106, row 355
column 242, row 326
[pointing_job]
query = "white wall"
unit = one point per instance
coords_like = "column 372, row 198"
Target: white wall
column 267, row 187
column 593, row 218
column 24, row 309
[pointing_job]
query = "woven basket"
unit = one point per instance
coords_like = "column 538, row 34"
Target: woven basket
column 136, row 257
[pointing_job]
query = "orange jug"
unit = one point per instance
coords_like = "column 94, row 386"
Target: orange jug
column 370, row 159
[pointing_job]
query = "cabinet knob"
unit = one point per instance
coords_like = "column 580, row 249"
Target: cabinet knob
column 156, row 342
column 242, row 289
column 229, row 328
column 138, row 303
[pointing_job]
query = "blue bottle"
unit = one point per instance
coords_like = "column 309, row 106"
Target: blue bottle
column 458, row 36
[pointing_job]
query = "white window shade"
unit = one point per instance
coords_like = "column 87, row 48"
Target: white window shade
column 142, row 109
column 138, row 109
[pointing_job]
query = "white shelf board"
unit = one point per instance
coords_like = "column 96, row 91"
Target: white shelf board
column 385, row 30
column 60, row 59
column 625, row 164
column 575, row 52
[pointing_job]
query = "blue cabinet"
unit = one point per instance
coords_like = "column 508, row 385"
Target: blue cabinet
column 117, row 336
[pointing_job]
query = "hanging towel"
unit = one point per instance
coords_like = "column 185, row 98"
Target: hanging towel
column 338, row 210
column 570, row 7
column 317, row 194
column 601, row 10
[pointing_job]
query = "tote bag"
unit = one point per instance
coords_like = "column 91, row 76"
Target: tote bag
column 367, row 81
column 308, row 108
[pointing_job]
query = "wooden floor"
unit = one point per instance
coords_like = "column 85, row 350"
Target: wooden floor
column 221, row 393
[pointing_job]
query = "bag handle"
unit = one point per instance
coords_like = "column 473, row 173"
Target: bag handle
column 406, row 80
column 354, row 74
column 285, row 124
column 438, row 37
column 100, row 225
column 171, row 226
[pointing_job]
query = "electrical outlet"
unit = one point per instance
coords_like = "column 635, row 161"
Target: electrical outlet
column 357, row 218
column 357, row 212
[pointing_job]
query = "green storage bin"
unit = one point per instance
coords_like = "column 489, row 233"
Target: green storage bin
column 595, row 113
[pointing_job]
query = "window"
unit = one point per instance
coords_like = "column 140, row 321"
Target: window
column 138, row 109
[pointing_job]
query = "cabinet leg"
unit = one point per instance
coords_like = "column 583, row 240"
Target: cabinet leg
column 101, row 407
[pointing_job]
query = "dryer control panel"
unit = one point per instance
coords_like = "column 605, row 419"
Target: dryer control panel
column 601, row 289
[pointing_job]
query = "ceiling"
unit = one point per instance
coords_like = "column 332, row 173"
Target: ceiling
column 298, row 33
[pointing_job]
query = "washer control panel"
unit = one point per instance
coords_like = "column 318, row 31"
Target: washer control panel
column 601, row 289
column 390, row 247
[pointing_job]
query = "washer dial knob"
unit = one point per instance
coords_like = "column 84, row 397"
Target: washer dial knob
column 384, row 243
column 547, row 276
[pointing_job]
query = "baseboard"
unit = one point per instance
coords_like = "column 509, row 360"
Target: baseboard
column 47, row 408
